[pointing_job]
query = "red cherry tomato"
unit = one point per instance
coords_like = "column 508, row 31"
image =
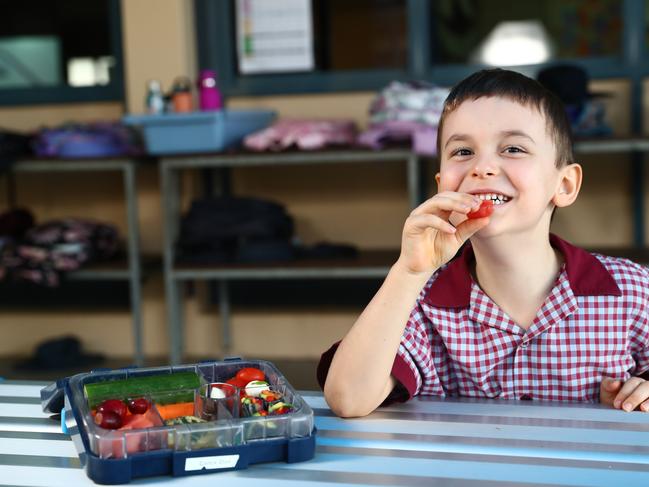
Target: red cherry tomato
column 113, row 405
column 238, row 383
column 108, row 419
column 248, row 374
column 235, row 381
column 138, row 406
column 486, row 209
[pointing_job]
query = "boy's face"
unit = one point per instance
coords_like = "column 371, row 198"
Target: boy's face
column 498, row 146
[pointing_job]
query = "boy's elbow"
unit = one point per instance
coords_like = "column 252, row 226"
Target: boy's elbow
column 344, row 402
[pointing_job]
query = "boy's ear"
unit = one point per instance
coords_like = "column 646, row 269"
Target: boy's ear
column 569, row 185
column 437, row 177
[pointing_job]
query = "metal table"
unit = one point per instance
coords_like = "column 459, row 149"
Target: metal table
column 457, row 442
column 132, row 271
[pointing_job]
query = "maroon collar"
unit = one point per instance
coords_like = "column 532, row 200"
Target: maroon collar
column 586, row 275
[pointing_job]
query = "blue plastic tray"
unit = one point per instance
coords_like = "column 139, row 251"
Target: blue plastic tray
column 188, row 449
column 178, row 133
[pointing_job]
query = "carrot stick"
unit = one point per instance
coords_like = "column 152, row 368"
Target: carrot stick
column 171, row 411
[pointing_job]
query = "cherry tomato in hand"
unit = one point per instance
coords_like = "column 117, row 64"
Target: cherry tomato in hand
column 248, row 374
column 486, row 209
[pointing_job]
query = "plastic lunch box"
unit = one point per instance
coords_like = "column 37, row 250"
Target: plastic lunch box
column 230, row 440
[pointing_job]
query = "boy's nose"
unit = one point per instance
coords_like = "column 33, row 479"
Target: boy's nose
column 484, row 168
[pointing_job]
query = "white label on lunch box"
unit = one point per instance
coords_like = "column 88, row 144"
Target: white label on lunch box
column 211, row 463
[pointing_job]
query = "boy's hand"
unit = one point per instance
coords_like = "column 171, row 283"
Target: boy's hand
column 608, row 389
column 625, row 395
column 429, row 240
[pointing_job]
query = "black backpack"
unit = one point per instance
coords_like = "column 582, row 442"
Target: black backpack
column 13, row 146
column 235, row 229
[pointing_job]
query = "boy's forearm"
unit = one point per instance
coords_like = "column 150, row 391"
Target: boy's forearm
column 359, row 376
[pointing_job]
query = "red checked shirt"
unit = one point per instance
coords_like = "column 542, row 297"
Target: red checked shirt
column 458, row 342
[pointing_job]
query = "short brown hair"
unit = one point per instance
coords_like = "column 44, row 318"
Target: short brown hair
column 519, row 88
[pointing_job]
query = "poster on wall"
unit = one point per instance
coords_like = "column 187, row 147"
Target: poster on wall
column 274, row 37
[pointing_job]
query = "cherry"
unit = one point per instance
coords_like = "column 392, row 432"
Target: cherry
column 113, row 405
column 138, row 406
column 108, row 419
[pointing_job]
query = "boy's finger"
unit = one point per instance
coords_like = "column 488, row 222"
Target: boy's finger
column 608, row 389
column 422, row 222
column 444, row 203
column 610, row 384
column 639, row 395
column 469, row 227
column 626, row 399
column 467, row 198
column 450, row 199
column 644, row 407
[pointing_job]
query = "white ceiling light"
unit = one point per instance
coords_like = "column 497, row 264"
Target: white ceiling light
column 515, row 43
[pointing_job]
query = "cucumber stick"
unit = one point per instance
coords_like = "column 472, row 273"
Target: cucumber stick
column 163, row 388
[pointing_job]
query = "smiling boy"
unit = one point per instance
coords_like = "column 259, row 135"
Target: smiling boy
column 520, row 313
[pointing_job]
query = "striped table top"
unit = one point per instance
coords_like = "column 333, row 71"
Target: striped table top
column 428, row 441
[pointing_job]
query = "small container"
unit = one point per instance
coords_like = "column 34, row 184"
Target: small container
column 154, row 103
column 182, row 95
column 208, row 91
column 216, row 401
column 168, row 103
column 196, row 132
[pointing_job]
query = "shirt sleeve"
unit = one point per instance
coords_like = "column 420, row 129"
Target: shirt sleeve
column 642, row 356
column 413, row 367
column 415, row 352
column 639, row 336
column 640, row 344
column 406, row 383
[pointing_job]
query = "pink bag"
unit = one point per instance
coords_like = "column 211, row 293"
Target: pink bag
column 307, row 134
column 406, row 112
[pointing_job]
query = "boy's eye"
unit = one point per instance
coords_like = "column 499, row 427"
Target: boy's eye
column 462, row 151
column 512, row 149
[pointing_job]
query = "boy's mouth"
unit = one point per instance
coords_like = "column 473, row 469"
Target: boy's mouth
column 497, row 198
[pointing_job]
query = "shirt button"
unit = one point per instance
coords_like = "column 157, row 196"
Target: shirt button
column 525, row 397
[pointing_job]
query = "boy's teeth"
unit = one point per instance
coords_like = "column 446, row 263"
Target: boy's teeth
column 498, row 199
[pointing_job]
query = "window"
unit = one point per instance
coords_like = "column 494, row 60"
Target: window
column 60, row 51
column 357, row 45
column 365, row 44
column 501, row 32
column 363, row 34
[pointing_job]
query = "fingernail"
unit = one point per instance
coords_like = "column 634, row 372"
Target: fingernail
column 617, row 403
column 627, row 407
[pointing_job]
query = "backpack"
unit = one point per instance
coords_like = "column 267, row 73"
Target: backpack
column 406, row 111
column 13, row 146
column 231, row 229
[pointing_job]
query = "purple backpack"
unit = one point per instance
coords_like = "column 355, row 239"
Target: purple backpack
column 406, row 111
column 100, row 139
